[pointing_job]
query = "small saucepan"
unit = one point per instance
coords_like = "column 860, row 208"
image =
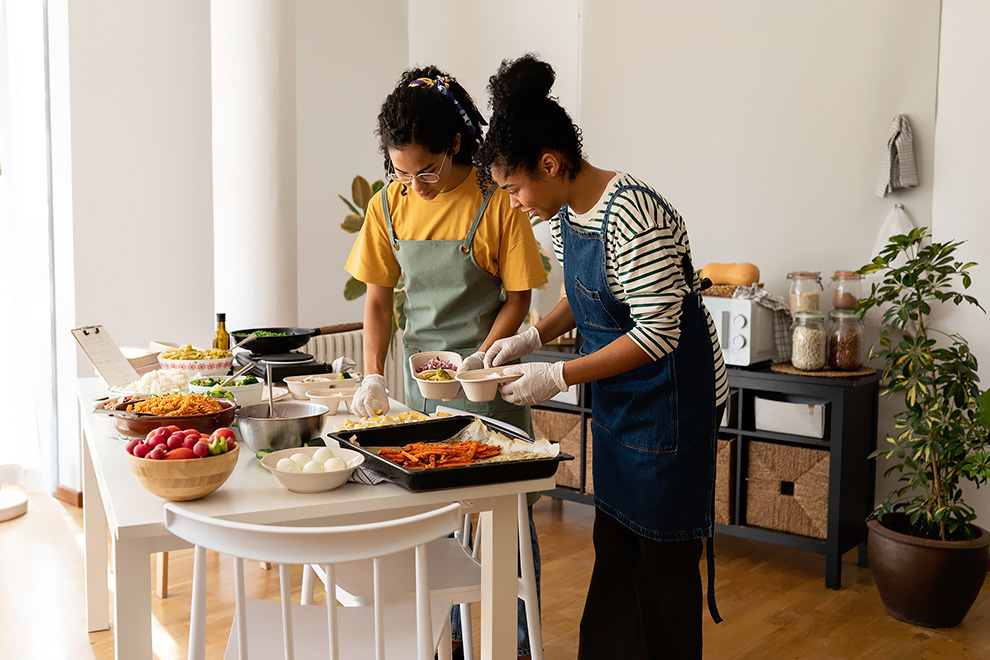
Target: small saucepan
column 288, row 339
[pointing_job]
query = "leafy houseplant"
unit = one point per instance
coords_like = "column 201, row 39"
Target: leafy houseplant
column 361, row 194
column 943, row 430
column 928, row 557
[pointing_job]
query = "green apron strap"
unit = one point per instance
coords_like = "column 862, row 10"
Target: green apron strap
column 388, row 218
column 469, row 239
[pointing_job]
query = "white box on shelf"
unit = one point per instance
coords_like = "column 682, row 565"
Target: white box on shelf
column 569, row 397
column 796, row 416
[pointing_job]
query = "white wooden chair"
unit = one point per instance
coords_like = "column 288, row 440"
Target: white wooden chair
column 455, row 573
column 413, row 630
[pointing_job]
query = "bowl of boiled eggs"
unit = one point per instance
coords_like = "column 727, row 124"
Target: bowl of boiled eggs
column 312, row 469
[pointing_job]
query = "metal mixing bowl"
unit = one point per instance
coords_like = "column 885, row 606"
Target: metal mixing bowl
column 293, row 423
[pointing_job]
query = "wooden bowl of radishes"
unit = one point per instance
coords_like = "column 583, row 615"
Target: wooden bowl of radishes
column 181, row 465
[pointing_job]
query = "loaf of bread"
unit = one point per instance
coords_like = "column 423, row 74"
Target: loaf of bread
column 742, row 274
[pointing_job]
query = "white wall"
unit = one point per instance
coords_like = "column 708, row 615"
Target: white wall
column 764, row 123
column 476, row 38
column 961, row 172
column 349, row 55
column 141, row 188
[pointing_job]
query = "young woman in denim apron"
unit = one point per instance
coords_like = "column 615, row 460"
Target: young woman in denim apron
column 468, row 259
column 656, row 395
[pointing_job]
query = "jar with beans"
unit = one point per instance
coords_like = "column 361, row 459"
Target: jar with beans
column 808, row 341
column 805, row 288
column 846, row 345
column 847, row 289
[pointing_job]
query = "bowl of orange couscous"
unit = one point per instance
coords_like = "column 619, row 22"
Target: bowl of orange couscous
column 187, row 411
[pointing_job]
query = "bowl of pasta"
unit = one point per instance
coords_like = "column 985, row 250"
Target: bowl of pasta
column 187, row 411
column 206, row 362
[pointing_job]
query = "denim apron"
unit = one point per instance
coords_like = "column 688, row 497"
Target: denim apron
column 654, row 426
column 451, row 305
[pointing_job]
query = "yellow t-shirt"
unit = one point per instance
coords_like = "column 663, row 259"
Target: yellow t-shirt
column 503, row 244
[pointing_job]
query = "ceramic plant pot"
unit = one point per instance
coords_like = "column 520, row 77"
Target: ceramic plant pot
column 925, row 582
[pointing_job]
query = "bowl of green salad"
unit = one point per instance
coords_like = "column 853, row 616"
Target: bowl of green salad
column 243, row 390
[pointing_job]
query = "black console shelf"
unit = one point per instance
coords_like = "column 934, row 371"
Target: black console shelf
column 850, row 436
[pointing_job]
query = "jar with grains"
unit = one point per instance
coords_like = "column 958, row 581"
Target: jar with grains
column 846, row 345
column 808, row 341
column 805, row 287
column 847, row 289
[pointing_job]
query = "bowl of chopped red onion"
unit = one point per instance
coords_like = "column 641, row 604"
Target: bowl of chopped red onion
column 434, row 373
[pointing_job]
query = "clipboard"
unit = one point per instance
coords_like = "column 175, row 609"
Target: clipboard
column 105, row 355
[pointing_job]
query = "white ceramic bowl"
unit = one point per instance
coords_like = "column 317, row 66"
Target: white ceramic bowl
column 300, row 385
column 350, row 382
column 312, row 482
column 217, row 367
column 244, row 395
column 483, row 384
column 332, row 398
column 435, row 389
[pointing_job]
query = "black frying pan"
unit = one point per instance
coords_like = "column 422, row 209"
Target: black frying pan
column 294, row 337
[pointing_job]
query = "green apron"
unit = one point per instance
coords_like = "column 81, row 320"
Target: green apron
column 451, row 305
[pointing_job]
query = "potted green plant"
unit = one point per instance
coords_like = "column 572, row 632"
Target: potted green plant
column 928, row 557
column 361, row 194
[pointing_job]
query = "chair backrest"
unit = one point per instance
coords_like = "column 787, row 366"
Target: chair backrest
column 308, row 545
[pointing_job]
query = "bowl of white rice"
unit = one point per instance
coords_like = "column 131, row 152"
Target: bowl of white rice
column 159, row 381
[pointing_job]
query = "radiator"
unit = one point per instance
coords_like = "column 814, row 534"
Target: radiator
column 327, row 348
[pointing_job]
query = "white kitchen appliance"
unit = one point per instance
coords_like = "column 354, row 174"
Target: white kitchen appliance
column 745, row 330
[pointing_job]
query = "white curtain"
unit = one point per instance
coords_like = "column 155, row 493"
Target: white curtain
column 26, row 388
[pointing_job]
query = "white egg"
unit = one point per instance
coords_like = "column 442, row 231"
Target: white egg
column 287, row 465
column 300, row 458
column 334, row 464
column 313, row 466
column 322, row 455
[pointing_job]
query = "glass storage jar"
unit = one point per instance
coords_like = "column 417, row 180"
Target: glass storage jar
column 808, row 340
column 847, row 289
column 846, row 345
column 805, row 287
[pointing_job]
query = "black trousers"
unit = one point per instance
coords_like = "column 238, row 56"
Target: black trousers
column 645, row 598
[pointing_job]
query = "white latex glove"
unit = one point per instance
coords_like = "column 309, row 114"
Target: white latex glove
column 540, row 381
column 512, row 348
column 370, row 400
column 472, row 362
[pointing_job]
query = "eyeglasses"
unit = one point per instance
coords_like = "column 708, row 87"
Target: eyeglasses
column 425, row 177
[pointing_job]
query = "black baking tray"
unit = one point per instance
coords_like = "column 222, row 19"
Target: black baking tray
column 457, row 476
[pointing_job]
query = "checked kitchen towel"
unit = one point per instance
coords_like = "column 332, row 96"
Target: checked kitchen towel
column 899, row 169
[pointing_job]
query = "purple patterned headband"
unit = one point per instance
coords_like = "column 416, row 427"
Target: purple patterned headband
column 442, row 85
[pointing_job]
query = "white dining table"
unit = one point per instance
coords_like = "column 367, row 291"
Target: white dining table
column 113, row 499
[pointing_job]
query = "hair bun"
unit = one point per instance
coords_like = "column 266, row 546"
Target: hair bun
column 520, row 81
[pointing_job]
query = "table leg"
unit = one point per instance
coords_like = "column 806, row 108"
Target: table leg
column 161, row 574
column 95, row 542
column 132, row 600
column 499, row 585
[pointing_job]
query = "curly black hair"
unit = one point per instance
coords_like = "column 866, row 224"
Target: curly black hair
column 423, row 116
column 527, row 121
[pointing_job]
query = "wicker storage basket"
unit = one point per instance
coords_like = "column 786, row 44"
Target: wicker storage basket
column 787, row 488
column 725, row 480
column 589, row 486
column 565, row 428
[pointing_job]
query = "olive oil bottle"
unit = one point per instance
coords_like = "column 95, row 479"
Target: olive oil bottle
column 221, row 339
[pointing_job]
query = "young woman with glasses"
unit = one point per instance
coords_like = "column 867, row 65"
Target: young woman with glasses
column 651, row 353
column 468, row 259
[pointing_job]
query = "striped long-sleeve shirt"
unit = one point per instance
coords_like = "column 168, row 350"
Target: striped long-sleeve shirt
column 645, row 247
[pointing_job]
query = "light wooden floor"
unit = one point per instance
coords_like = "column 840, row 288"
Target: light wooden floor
column 774, row 600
